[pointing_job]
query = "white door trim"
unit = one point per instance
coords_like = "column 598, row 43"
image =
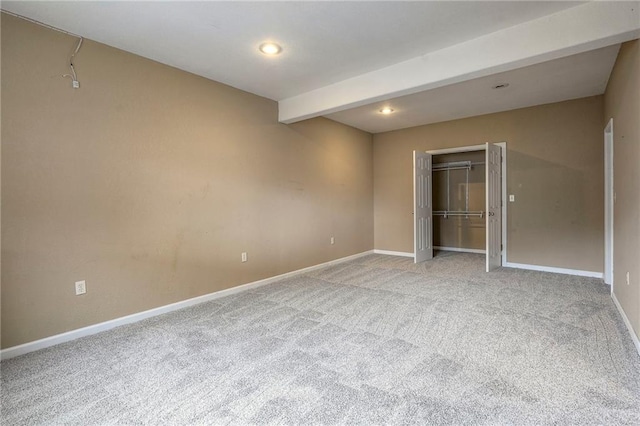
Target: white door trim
column 608, row 204
column 503, row 177
column 494, row 204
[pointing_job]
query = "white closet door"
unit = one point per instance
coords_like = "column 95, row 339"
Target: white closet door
column 494, row 207
column 422, row 207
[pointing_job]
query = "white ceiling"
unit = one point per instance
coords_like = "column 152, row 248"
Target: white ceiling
column 329, row 43
column 572, row 77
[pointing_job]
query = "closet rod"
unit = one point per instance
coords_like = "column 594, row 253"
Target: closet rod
column 447, row 213
column 444, row 169
column 456, row 165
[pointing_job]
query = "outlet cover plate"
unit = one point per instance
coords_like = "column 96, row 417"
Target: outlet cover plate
column 81, row 287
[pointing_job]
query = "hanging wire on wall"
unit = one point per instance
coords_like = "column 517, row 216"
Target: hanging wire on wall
column 73, row 76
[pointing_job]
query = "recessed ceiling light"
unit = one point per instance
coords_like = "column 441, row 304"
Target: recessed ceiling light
column 386, row 111
column 501, row 86
column 270, row 48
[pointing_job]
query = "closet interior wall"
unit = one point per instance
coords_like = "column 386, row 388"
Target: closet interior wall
column 460, row 232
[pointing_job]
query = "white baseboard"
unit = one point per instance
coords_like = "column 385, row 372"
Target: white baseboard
column 394, row 253
column 634, row 338
column 552, row 269
column 458, row 249
column 107, row 325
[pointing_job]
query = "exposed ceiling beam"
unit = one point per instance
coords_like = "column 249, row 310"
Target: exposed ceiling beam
column 579, row 29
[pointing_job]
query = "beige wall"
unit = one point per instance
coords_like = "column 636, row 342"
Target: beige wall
column 622, row 103
column 148, row 182
column 555, row 170
column 459, row 231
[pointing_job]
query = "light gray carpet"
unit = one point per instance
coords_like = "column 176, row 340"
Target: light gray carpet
column 377, row 340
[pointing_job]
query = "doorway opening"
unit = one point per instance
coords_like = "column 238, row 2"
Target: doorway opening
column 458, row 202
column 459, row 189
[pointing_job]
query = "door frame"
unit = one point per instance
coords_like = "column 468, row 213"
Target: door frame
column 609, row 200
column 493, row 262
column 503, row 178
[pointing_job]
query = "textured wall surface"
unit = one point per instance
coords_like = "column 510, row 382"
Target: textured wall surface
column 622, row 103
column 148, row 182
column 554, row 168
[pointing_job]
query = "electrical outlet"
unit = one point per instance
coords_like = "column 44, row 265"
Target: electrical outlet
column 333, row 240
column 244, row 256
column 81, row 287
column 628, row 282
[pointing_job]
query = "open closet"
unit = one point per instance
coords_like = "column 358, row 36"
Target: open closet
column 458, row 201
